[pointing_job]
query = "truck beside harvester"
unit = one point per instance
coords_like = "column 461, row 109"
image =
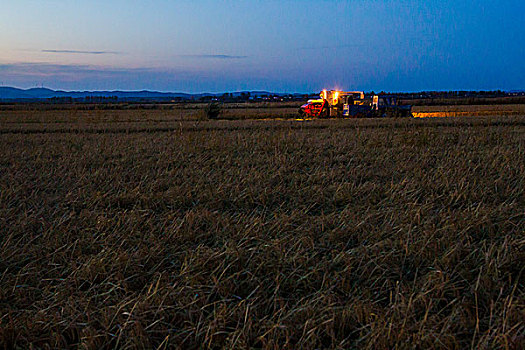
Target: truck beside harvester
column 354, row 104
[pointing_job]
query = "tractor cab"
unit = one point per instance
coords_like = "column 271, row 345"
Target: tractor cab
column 388, row 106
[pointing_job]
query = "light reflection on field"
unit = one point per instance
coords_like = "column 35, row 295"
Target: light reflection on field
column 462, row 114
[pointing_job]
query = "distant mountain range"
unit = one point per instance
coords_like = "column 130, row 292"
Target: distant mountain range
column 10, row 93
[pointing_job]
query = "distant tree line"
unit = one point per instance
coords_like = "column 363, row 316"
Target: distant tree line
column 87, row 99
column 249, row 97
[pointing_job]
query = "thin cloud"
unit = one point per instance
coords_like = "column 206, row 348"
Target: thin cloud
column 53, row 69
column 328, row 47
column 220, row 57
column 83, row 52
column 23, row 73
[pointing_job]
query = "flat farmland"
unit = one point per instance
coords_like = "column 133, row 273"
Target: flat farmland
column 468, row 110
column 154, row 113
column 161, row 114
column 143, row 229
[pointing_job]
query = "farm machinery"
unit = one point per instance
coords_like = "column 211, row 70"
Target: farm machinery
column 354, row 104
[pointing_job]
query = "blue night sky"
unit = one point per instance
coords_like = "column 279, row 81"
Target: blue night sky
column 294, row 46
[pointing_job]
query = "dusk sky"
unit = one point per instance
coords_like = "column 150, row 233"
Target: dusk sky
column 293, row 46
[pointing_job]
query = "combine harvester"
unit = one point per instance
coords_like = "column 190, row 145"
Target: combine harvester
column 353, row 104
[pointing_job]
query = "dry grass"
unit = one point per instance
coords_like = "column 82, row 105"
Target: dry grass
column 96, row 116
column 468, row 110
column 260, row 113
column 515, row 108
column 277, row 235
column 89, row 114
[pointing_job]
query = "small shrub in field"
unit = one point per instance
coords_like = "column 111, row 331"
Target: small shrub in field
column 213, row 110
